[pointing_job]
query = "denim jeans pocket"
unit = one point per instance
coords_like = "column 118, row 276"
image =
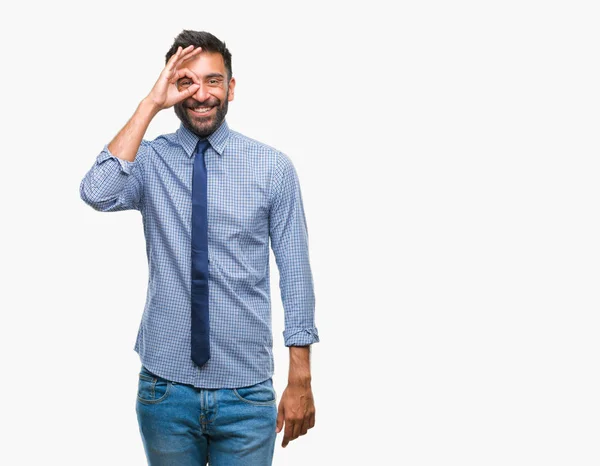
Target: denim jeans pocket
column 261, row 394
column 151, row 388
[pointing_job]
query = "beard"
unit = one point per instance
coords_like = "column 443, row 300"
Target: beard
column 202, row 126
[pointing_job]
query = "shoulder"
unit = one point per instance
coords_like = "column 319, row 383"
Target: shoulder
column 240, row 141
column 162, row 142
column 160, row 145
column 272, row 159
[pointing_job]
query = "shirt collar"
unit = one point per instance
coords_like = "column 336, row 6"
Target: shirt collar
column 218, row 139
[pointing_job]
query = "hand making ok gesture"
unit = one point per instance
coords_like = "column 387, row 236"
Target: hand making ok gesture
column 165, row 92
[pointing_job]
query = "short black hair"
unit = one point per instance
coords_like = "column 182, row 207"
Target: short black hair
column 207, row 41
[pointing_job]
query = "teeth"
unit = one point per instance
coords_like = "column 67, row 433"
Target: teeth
column 202, row 109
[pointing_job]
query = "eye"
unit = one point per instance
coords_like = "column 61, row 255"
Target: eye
column 213, row 81
column 183, row 83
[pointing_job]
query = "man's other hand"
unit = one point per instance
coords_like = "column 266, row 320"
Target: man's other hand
column 296, row 411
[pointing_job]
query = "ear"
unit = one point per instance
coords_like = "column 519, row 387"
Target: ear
column 231, row 89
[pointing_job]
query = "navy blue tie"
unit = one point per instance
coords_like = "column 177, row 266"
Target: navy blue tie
column 199, row 296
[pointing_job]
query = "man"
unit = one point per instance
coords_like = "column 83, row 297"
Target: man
column 210, row 199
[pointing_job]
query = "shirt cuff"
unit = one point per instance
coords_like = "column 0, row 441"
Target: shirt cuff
column 301, row 336
column 126, row 165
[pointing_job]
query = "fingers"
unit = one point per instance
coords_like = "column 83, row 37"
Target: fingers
column 184, row 73
column 308, row 422
column 280, row 418
column 288, row 433
column 171, row 63
column 189, row 56
column 303, row 427
column 294, row 428
column 190, row 91
column 295, row 419
column 180, row 56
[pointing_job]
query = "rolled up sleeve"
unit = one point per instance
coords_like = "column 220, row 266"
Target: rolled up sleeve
column 114, row 184
column 289, row 241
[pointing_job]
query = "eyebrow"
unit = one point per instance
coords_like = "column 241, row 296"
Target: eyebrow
column 214, row 75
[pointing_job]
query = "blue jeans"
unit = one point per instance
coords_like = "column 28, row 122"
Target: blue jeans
column 182, row 425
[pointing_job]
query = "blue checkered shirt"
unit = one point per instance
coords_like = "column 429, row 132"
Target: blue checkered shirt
column 253, row 195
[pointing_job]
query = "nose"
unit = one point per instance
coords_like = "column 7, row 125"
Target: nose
column 202, row 93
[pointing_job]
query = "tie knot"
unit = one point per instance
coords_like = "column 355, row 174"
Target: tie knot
column 202, row 146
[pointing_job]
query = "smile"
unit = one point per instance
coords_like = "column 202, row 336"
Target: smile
column 201, row 110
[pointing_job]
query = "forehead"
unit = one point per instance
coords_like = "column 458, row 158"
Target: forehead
column 206, row 63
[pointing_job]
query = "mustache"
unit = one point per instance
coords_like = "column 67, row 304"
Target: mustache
column 207, row 103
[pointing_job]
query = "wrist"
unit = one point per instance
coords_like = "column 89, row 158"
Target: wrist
column 301, row 379
column 299, row 371
column 148, row 108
